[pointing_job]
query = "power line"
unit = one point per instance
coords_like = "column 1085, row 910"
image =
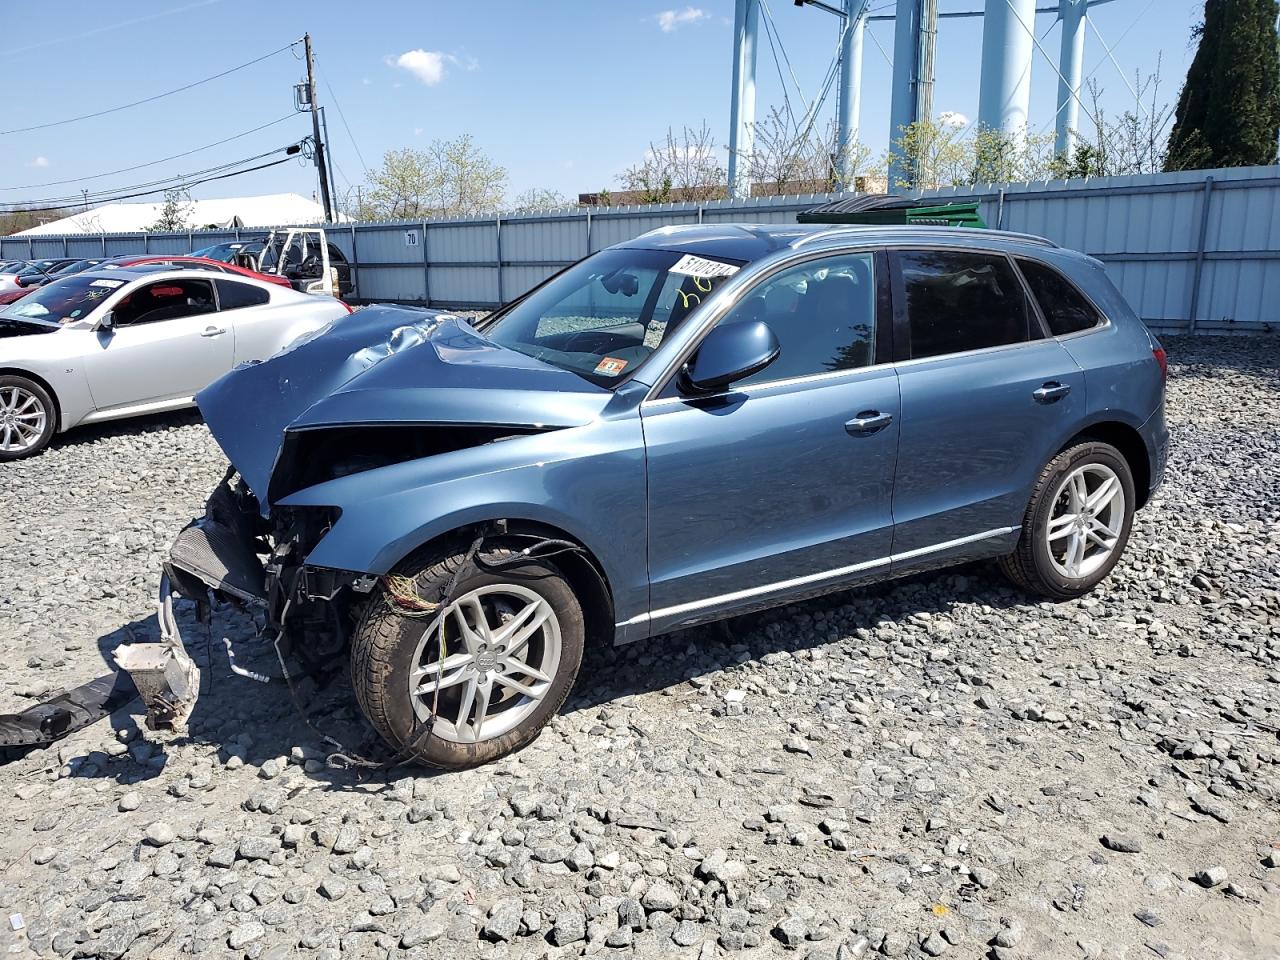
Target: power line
column 147, row 193
column 343, row 117
column 150, row 163
column 152, row 99
column 154, row 186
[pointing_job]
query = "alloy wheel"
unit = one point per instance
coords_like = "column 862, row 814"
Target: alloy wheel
column 1087, row 520
column 485, row 664
column 22, row 419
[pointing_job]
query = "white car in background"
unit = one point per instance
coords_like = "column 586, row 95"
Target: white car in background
column 102, row 345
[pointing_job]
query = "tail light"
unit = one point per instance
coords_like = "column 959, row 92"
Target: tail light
column 350, row 310
column 1163, row 360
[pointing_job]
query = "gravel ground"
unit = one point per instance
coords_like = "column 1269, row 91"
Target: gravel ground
column 936, row 767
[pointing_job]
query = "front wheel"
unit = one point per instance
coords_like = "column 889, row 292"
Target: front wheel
column 492, row 668
column 1077, row 523
column 28, row 418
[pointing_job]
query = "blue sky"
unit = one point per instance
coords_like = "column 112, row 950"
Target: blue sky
column 564, row 93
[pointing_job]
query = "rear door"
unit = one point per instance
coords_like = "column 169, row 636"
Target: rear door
column 167, row 342
column 986, row 398
column 256, row 324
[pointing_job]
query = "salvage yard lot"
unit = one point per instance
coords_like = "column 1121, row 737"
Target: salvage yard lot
column 939, row 766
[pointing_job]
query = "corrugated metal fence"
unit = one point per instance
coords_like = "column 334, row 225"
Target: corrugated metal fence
column 1191, row 251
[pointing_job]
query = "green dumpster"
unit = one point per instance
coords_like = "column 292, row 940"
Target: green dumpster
column 894, row 211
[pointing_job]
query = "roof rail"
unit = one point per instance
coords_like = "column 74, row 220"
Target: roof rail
column 921, row 230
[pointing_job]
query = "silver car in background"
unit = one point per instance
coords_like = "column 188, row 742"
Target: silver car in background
column 102, row 345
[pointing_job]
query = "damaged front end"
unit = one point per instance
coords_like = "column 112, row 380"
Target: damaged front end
column 234, row 555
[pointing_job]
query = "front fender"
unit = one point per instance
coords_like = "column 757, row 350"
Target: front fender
column 587, row 481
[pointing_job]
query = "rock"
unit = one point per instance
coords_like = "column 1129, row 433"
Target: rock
column 569, row 926
column 1121, row 843
column 934, row 945
column 686, row 934
column 791, row 932
column 660, row 896
column 347, row 840
column 503, row 922
column 130, row 801
column 245, row 934
column 1211, row 876
column 983, row 877
column 422, row 932
column 258, row 848
column 160, row 834
column 333, row 888
column 222, row 856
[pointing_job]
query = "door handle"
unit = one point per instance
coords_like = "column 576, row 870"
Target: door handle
column 1051, row 392
column 868, row 422
column 213, row 331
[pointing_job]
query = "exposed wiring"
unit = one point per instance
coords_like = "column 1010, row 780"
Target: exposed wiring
column 343, row 117
column 151, row 99
column 151, row 163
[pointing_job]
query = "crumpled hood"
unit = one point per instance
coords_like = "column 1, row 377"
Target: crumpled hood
column 382, row 366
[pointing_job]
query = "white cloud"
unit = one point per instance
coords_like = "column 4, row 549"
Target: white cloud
column 950, row 118
column 671, row 20
column 38, row 162
column 426, row 65
column 429, row 65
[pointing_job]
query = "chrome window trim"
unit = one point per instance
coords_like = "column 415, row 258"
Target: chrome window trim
column 839, row 375
column 819, row 577
column 766, row 273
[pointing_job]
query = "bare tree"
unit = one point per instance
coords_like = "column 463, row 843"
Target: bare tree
column 782, row 155
column 681, row 167
column 451, row 178
column 1132, row 143
column 540, row 198
column 175, row 213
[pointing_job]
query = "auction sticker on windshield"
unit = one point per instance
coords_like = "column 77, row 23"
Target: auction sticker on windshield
column 610, row 367
column 691, row 266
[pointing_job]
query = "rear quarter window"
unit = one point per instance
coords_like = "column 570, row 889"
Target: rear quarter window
column 232, row 295
column 1065, row 308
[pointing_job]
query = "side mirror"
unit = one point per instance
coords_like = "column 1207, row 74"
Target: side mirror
column 108, row 322
column 729, row 353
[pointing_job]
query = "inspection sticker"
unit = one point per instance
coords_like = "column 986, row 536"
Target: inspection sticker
column 610, row 367
column 691, row 266
column 112, row 284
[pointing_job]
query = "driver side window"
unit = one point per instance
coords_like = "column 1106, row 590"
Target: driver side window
column 165, row 300
column 823, row 313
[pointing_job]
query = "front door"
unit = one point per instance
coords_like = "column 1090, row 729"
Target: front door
column 166, row 342
column 782, row 485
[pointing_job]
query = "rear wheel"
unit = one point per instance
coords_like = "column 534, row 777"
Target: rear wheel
column 1077, row 524
column 28, row 417
column 492, row 668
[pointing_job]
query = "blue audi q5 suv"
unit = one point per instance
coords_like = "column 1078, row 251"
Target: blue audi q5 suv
column 695, row 424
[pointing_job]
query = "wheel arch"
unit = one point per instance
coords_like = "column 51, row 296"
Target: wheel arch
column 1125, row 438
column 581, row 567
column 44, row 384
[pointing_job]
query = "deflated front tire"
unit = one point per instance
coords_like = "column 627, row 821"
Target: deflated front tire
column 486, row 672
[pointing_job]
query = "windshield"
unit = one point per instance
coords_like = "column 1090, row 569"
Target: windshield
column 63, row 301
column 604, row 316
column 78, row 266
column 38, row 269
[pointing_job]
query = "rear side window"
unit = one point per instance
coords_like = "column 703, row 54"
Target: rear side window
column 232, row 295
column 957, row 301
column 1064, row 307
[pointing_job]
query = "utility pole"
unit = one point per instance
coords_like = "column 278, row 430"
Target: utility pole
column 333, row 184
column 742, row 105
column 321, row 166
column 915, row 34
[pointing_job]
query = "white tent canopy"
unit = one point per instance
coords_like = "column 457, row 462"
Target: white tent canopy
column 273, row 209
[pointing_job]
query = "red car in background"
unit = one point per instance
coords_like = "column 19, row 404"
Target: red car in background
column 9, row 296
column 189, row 261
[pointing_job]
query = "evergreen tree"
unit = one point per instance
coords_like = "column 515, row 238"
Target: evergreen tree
column 1229, row 111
